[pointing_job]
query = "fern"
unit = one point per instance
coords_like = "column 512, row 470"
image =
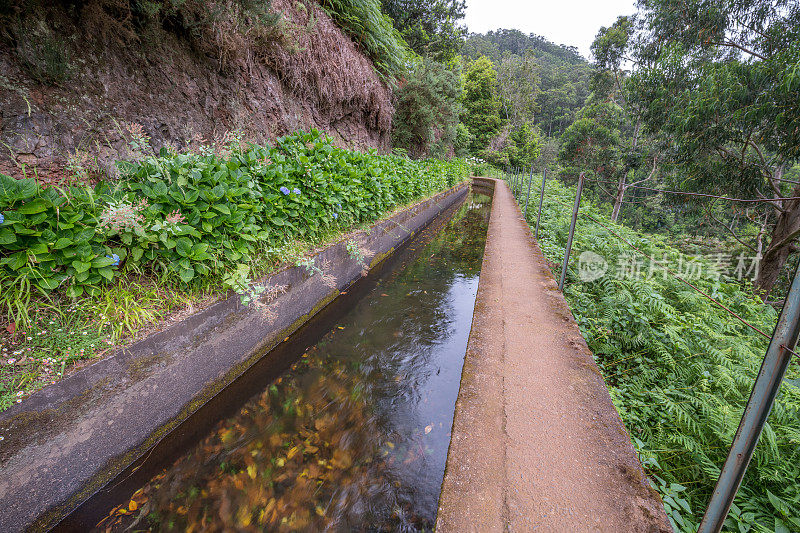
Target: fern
column 680, row 370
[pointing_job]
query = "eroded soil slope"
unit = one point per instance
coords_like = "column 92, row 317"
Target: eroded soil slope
column 74, row 75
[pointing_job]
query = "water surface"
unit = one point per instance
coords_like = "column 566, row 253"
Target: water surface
column 354, row 435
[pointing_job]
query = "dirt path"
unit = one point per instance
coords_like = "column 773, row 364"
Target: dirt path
column 536, row 443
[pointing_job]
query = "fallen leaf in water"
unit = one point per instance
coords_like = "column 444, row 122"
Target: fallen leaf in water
column 428, row 429
column 293, row 452
column 251, row 471
column 280, row 462
column 340, row 327
column 320, row 511
column 341, row 459
column 384, row 294
column 390, row 445
column 132, row 505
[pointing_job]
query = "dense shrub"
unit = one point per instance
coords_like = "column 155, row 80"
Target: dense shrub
column 428, row 108
column 481, row 103
column 679, row 368
column 194, row 215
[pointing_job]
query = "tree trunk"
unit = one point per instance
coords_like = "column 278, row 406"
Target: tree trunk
column 785, row 232
column 622, row 180
column 618, row 198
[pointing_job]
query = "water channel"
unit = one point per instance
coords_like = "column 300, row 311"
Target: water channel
column 354, row 435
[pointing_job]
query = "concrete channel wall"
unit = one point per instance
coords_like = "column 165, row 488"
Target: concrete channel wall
column 537, row 444
column 90, row 432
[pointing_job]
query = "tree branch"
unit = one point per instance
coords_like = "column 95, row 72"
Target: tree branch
column 652, row 172
column 715, row 219
column 740, row 47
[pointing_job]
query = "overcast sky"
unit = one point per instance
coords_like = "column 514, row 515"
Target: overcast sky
column 569, row 22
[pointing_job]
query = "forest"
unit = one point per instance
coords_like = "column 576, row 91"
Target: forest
column 684, row 125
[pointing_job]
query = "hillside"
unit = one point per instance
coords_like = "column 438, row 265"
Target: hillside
column 564, row 74
column 76, row 76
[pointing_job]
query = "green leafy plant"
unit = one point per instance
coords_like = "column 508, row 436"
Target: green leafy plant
column 354, row 250
column 194, row 217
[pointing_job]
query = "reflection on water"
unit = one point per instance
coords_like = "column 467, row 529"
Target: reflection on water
column 355, row 435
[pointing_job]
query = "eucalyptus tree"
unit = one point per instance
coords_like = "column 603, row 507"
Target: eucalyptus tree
column 610, row 82
column 518, row 82
column 721, row 79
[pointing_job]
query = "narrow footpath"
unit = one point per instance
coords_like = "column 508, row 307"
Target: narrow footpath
column 537, row 444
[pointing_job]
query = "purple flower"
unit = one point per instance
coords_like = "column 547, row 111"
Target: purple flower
column 336, row 215
column 115, row 257
column 285, row 190
column 2, row 218
column 296, row 191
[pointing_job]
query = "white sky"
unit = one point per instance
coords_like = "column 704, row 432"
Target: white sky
column 569, row 22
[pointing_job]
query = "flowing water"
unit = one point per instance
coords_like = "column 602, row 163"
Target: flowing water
column 354, row 436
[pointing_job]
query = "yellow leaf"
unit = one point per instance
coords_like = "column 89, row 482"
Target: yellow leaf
column 320, row 511
column 280, row 462
column 292, row 452
column 251, row 471
column 244, row 517
column 428, row 429
column 390, row 445
column 132, row 505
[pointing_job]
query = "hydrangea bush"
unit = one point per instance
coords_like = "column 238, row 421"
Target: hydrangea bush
column 194, row 215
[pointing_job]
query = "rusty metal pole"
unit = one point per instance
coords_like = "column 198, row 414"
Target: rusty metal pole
column 528, row 196
column 571, row 233
column 541, row 201
column 765, row 389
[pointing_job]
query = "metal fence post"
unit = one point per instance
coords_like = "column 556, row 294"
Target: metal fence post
column 765, row 388
column 514, row 183
column 528, row 196
column 541, row 201
column 571, row 233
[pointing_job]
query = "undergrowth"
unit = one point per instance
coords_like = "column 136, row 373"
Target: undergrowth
column 176, row 230
column 679, row 368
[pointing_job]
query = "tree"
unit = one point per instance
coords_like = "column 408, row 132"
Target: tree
column 610, row 83
column 427, row 111
column 518, row 84
column 722, row 79
column 591, row 144
column 481, row 105
column 431, row 28
column 515, row 146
